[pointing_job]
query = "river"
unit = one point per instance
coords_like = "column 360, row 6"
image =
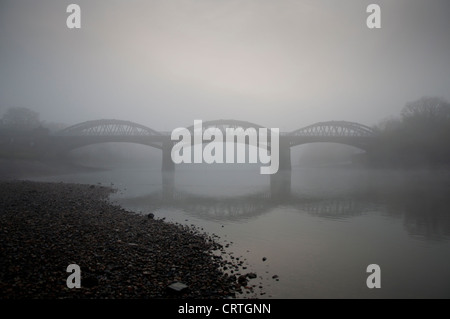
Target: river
column 312, row 236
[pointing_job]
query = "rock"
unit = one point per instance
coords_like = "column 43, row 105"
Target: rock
column 251, row 275
column 264, row 259
column 242, row 280
column 177, row 287
column 151, row 215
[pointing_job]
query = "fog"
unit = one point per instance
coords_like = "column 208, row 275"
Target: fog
column 162, row 64
column 342, row 196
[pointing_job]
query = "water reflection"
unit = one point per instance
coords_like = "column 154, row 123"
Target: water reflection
column 423, row 205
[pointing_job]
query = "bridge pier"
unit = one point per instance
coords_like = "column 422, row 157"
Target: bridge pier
column 285, row 155
column 167, row 164
column 280, row 185
column 280, row 182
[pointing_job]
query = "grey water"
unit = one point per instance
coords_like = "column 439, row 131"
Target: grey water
column 311, row 233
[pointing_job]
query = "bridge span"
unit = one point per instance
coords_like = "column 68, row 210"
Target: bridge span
column 107, row 130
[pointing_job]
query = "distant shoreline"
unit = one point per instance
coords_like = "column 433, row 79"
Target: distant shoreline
column 12, row 169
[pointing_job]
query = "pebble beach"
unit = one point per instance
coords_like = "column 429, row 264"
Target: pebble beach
column 44, row 227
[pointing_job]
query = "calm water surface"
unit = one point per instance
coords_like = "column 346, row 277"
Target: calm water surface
column 318, row 232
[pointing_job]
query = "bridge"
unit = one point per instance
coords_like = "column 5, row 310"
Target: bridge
column 104, row 131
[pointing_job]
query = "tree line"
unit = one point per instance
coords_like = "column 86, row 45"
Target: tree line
column 420, row 135
column 23, row 120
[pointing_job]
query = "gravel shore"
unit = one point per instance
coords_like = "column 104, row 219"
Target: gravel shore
column 44, row 227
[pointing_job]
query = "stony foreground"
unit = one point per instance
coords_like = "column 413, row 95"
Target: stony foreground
column 44, row 227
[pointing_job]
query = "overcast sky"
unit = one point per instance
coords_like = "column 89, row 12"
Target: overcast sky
column 278, row 63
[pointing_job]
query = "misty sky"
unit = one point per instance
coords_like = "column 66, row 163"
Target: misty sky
column 278, row 63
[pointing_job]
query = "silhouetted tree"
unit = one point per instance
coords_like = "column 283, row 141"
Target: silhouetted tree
column 20, row 118
column 420, row 136
column 388, row 125
column 427, row 110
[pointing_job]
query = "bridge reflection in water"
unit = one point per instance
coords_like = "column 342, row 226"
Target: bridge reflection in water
column 423, row 207
column 243, row 207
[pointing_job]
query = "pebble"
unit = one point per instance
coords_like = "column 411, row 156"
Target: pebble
column 177, row 287
column 251, row 275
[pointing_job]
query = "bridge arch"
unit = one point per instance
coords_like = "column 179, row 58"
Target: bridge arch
column 342, row 132
column 335, row 128
column 108, row 128
column 106, row 131
column 222, row 125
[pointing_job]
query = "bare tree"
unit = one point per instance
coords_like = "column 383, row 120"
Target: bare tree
column 20, row 118
column 419, row 137
column 427, row 109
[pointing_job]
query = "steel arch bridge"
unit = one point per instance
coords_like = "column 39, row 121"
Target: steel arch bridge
column 103, row 131
column 127, row 128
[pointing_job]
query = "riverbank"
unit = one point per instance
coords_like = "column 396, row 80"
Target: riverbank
column 44, row 227
column 11, row 169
